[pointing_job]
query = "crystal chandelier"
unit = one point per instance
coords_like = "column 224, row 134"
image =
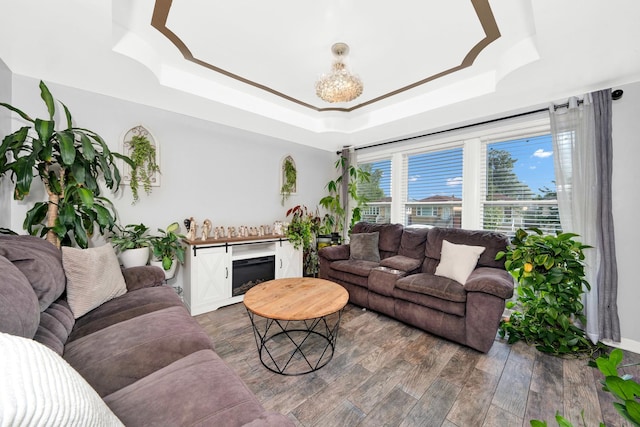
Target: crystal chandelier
column 339, row 85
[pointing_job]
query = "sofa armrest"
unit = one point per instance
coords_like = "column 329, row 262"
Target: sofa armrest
column 335, row 253
column 489, row 280
column 145, row 276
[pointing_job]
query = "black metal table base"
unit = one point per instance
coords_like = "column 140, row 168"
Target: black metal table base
column 295, row 347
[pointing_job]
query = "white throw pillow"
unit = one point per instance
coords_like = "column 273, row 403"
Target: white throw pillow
column 457, row 262
column 93, row 277
column 39, row 388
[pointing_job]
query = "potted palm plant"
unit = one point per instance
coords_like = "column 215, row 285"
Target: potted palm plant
column 337, row 217
column 132, row 244
column 70, row 163
column 167, row 248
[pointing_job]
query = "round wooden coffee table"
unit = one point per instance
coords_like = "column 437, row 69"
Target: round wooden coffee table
column 295, row 322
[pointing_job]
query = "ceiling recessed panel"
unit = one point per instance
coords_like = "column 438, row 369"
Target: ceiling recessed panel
column 283, row 47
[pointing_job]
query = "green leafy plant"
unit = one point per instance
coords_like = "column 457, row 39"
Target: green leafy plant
column 550, row 274
column 337, row 217
column 143, row 155
column 70, row 163
column 623, row 388
column 289, row 175
column 168, row 246
column 301, row 232
column 131, row 236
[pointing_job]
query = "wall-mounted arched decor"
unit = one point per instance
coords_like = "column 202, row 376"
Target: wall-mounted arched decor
column 288, row 178
column 140, row 146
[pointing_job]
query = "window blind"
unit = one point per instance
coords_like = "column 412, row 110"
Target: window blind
column 434, row 188
column 377, row 191
column 519, row 188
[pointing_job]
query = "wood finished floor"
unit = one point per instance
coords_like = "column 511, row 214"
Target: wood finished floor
column 386, row 373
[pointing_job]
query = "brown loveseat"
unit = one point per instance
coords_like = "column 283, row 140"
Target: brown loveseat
column 402, row 283
column 144, row 355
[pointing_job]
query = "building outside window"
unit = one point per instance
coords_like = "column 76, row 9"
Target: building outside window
column 377, row 191
column 434, row 188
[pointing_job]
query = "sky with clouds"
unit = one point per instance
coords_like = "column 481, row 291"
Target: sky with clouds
column 534, row 167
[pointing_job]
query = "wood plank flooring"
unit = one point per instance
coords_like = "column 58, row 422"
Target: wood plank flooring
column 386, row 373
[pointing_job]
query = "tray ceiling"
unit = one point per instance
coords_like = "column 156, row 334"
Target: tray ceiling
column 251, row 65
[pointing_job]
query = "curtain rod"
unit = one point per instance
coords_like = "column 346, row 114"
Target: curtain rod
column 615, row 95
column 513, row 116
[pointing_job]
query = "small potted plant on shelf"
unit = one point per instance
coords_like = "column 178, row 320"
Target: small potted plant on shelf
column 132, row 244
column 167, row 248
column 143, row 155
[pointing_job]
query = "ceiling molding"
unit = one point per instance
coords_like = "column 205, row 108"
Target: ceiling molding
column 482, row 9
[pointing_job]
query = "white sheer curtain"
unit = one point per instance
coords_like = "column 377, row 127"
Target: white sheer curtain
column 573, row 131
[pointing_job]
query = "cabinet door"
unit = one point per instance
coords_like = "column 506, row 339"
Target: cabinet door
column 288, row 260
column 210, row 279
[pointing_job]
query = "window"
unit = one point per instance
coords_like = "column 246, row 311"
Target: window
column 498, row 177
column 519, row 189
column 377, row 192
column 434, row 188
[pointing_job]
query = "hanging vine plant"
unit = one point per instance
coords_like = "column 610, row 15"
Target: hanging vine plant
column 143, row 154
column 289, row 179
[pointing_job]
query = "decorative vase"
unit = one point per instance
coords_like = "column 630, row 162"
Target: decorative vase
column 168, row 274
column 134, row 257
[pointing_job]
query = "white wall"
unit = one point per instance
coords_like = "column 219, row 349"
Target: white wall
column 5, row 126
column 626, row 205
column 208, row 171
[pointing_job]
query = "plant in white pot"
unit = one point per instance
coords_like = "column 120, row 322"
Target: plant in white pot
column 167, row 248
column 132, row 244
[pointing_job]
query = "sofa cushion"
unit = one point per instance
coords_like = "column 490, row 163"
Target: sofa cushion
column 56, row 323
column 458, row 261
column 121, row 354
column 93, row 277
column 356, row 267
column 390, row 236
column 39, row 388
column 493, row 281
column 19, row 308
column 412, row 242
column 418, row 300
column 435, row 286
column 125, row 307
column 364, row 246
column 400, row 262
column 40, row 262
column 493, row 242
column 217, row 396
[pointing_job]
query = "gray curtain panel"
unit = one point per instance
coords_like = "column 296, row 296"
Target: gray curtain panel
column 608, row 270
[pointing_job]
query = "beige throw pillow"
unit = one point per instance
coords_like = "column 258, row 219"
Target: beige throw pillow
column 457, row 262
column 93, row 277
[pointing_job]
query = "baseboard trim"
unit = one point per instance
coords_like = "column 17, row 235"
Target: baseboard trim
column 625, row 344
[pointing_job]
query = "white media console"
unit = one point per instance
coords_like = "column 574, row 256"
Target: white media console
column 210, row 264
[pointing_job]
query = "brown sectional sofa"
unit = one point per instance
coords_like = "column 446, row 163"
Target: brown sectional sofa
column 403, row 285
column 145, row 356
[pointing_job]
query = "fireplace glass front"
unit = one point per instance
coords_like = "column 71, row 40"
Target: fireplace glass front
column 249, row 272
